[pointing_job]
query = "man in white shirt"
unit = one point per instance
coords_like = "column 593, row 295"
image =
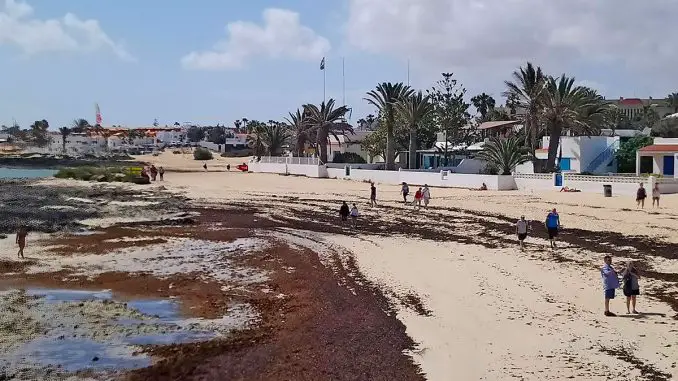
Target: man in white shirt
column 521, row 229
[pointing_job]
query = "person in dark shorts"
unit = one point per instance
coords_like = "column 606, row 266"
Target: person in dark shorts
column 344, row 211
column 373, row 195
column 552, row 225
column 521, row 229
column 610, row 283
column 630, row 286
column 161, row 172
column 21, row 241
column 405, row 190
column 641, row 195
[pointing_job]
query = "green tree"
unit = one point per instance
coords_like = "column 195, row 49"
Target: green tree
column 484, row 104
column 375, row 143
column 384, row 98
column 648, row 117
column 578, row 109
column 195, row 134
column 672, row 101
column 666, row 128
column 79, row 126
column 255, row 139
column 39, row 133
column 65, row 131
column 301, row 129
column 201, row 153
column 275, row 138
column 526, row 92
column 504, row 155
column 451, row 113
column 216, row 135
column 626, row 154
column 326, row 120
column 414, row 110
column 367, row 123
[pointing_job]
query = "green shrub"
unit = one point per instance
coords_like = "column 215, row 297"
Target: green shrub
column 239, row 153
column 202, row 154
column 348, row 157
column 100, row 174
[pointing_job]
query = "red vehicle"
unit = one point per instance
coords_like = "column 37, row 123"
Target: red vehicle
column 243, row 167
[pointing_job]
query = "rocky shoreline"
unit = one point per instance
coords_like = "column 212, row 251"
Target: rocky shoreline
column 52, row 162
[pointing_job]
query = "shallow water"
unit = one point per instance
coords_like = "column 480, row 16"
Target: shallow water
column 72, row 353
column 21, row 173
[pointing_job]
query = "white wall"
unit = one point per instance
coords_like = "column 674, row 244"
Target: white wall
column 582, row 150
column 470, row 166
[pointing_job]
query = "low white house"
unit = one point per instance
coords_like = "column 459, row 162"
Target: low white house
column 581, row 154
column 350, row 143
column 659, row 158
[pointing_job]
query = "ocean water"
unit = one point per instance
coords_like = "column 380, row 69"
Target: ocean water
column 24, row 173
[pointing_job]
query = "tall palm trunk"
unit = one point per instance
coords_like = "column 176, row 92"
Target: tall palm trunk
column 321, row 140
column 554, row 141
column 390, row 140
column 413, row 147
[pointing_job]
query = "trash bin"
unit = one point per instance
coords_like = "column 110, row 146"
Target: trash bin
column 607, row 190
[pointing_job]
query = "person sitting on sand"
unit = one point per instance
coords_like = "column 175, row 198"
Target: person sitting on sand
column 552, row 225
column 373, row 195
column 354, row 216
column 228, row 167
column 610, row 283
column 641, row 195
column 204, row 166
column 21, row 241
column 482, row 188
column 521, row 229
column 630, row 286
column 655, row 195
column 426, row 195
column 344, row 211
column 144, row 173
column 405, row 190
column 161, row 172
column 418, row 195
column 568, row 189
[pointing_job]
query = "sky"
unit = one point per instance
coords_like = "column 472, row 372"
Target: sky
column 215, row 61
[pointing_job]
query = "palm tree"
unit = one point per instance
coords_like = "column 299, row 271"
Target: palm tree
column 575, row 108
column 413, row 110
column 384, row 98
column 672, row 101
column 484, row 104
column 326, row 120
column 65, row 131
column 526, row 92
column 275, row 137
column 302, row 130
column 504, row 154
column 255, row 139
column 80, row 125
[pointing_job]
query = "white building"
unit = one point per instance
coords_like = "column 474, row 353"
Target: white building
column 659, row 158
column 580, row 154
column 350, row 143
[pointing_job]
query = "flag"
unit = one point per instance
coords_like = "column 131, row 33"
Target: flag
column 322, row 64
column 98, row 114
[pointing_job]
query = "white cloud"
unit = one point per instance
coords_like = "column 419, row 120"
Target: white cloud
column 33, row 36
column 502, row 34
column 281, row 36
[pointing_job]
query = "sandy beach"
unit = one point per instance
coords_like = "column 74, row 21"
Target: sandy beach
column 264, row 263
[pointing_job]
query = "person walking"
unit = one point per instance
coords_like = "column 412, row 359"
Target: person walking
column 405, row 190
column 552, row 225
column 418, row 195
column 344, row 211
column 373, row 195
column 154, row 172
column 354, row 216
column 161, row 172
column 204, row 166
column 521, row 229
column 641, row 195
column 655, row 195
column 21, row 241
column 426, row 194
column 630, row 286
column 610, row 283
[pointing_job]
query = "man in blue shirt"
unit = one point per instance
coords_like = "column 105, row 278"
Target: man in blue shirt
column 610, row 283
column 552, row 224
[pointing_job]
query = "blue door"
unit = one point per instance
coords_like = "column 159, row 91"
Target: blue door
column 668, row 165
column 559, row 180
column 565, row 164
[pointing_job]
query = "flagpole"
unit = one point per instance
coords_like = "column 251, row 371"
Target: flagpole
column 343, row 80
column 408, row 72
column 324, row 82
